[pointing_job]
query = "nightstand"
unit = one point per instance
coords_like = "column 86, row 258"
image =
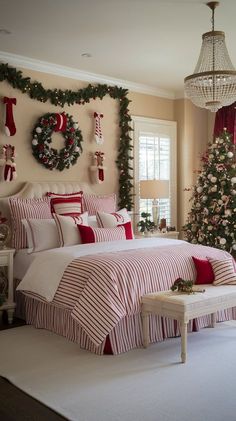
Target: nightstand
column 6, row 260
column 169, row 234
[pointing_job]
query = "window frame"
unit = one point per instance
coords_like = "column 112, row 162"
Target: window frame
column 162, row 127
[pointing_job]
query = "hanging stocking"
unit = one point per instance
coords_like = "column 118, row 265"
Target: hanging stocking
column 10, row 128
column 98, row 131
column 99, row 156
column 10, row 166
column 98, row 169
column 61, row 122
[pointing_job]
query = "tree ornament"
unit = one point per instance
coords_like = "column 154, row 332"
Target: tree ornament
column 48, row 156
column 214, row 188
column 199, row 189
column 228, row 212
column 213, row 179
column 98, row 131
column 10, row 128
column 233, row 180
column 223, row 241
column 230, row 154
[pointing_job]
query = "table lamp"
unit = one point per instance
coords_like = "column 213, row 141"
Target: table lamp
column 155, row 190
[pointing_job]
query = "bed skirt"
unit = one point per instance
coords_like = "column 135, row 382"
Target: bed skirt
column 126, row 335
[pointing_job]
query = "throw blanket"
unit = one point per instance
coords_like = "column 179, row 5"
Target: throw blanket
column 102, row 288
column 51, row 264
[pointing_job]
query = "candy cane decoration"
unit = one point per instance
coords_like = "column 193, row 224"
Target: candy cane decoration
column 98, row 131
column 10, row 128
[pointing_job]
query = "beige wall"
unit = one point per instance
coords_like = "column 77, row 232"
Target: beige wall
column 194, row 126
column 192, row 135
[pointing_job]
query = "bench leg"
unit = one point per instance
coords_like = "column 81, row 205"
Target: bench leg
column 145, row 323
column 213, row 320
column 183, row 329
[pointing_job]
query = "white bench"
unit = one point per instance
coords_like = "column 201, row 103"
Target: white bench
column 183, row 307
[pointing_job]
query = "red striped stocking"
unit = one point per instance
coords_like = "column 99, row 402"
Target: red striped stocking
column 10, row 127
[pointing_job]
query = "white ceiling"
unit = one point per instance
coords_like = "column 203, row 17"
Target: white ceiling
column 150, row 42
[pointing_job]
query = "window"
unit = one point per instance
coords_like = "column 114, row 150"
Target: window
column 155, row 158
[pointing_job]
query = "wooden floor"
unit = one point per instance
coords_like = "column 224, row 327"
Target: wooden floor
column 16, row 405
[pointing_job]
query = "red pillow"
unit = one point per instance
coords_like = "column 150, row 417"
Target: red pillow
column 97, row 235
column 205, row 274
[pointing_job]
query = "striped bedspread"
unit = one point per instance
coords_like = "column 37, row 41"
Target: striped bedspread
column 104, row 288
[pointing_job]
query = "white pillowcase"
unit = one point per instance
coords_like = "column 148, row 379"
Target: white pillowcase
column 42, row 234
column 92, row 221
column 67, row 228
column 112, row 220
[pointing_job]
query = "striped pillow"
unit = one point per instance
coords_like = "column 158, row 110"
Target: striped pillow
column 67, row 228
column 94, row 204
column 224, row 271
column 26, row 209
column 71, row 205
column 97, row 235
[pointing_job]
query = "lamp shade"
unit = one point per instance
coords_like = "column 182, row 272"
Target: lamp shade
column 154, row 189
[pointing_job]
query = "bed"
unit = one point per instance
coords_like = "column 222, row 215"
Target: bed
column 91, row 293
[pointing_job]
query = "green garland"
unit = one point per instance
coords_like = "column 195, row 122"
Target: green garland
column 57, row 97
column 50, row 157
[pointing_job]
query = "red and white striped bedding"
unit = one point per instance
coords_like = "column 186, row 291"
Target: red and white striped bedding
column 102, row 291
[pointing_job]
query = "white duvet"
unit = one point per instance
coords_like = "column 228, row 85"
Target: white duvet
column 45, row 272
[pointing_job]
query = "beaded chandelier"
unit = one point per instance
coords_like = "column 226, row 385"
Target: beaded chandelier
column 213, row 83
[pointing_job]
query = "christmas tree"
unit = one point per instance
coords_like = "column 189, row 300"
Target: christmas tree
column 212, row 218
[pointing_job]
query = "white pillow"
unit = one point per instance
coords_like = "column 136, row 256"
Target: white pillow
column 112, row 220
column 41, row 234
column 67, row 228
column 92, row 221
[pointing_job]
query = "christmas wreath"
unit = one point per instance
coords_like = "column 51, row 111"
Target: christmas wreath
column 50, row 157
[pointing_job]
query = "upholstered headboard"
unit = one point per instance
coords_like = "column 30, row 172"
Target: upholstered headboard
column 39, row 189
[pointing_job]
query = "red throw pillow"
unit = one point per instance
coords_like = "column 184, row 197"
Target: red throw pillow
column 97, row 235
column 205, row 274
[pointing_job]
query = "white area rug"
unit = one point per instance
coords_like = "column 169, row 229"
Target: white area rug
column 150, row 385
